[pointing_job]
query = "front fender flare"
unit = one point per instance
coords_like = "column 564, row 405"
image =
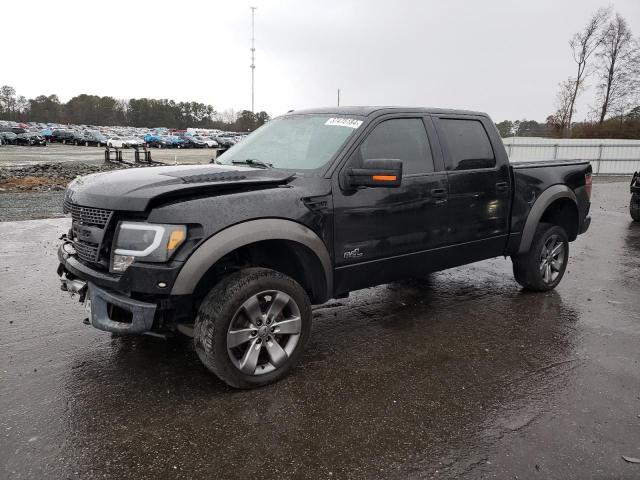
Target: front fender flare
column 236, row 236
column 547, row 197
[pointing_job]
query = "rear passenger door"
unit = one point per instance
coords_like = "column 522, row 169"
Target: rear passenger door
column 479, row 187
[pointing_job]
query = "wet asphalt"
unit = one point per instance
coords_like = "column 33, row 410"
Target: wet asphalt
column 462, row 375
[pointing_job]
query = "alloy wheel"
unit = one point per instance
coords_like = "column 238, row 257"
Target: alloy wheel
column 552, row 259
column 264, row 332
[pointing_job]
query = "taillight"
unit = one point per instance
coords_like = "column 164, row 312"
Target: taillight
column 588, row 184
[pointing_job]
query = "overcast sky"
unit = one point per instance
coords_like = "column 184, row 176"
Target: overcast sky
column 502, row 57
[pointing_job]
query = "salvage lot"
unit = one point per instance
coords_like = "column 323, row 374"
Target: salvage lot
column 463, row 375
column 12, row 155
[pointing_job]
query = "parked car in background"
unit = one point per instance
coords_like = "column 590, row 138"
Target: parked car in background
column 9, row 138
column 224, row 142
column 211, row 143
column 133, row 141
column 124, row 142
column 115, row 142
column 79, row 139
column 94, row 138
column 176, row 142
column 158, row 141
column 193, row 142
column 62, row 136
column 31, row 139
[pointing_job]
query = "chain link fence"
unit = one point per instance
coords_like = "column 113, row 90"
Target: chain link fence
column 607, row 156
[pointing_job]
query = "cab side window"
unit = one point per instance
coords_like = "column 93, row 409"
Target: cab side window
column 401, row 138
column 468, row 144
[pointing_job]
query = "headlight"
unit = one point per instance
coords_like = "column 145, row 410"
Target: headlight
column 150, row 242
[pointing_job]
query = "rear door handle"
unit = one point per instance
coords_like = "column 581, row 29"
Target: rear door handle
column 439, row 193
column 502, row 187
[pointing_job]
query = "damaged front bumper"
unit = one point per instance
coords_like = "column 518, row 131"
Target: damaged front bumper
column 110, row 311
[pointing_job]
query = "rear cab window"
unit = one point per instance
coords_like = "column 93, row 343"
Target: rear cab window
column 467, row 144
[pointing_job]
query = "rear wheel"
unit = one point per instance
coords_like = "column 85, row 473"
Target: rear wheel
column 543, row 266
column 252, row 327
column 634, row 207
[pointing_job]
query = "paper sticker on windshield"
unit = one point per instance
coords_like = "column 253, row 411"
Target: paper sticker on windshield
column 344, row 122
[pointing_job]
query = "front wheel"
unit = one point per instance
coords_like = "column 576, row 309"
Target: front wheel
column 634, row 207
column 252, row 327
column 543, row 266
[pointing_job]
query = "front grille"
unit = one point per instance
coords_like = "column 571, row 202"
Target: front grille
column 90, row 217
column 98, row 217
column 86, row 251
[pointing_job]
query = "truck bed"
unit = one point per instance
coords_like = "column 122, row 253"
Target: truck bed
column 546, row 163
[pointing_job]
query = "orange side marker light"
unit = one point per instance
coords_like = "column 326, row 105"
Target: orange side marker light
column 384, row 178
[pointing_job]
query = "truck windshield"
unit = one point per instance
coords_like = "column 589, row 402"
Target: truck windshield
column 297, row 142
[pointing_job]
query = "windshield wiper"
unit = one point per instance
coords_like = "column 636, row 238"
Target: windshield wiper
column 253, row 162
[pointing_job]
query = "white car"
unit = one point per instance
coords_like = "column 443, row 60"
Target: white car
column 115, row 142
column 124, row 142
column 133, row 141
column 211, row 143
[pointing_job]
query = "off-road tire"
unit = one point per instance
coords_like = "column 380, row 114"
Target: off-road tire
column 634, row 207
column 218, row 309
column 526, row 266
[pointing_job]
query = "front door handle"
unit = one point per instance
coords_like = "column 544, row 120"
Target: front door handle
column 440, row 194
column 502, row 187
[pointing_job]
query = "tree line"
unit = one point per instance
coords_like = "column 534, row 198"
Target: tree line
column 606, row 56
column 137, row 112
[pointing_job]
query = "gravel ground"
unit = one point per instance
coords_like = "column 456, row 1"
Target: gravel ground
column 30, row 206
column 32, row 179
column 36, row 191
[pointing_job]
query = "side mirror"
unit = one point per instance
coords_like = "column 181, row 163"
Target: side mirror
column 376, row 172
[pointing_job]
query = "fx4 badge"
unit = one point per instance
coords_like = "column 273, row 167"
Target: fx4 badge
column 355, row 253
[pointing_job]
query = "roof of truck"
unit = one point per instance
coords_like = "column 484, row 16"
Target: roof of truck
column 370, row 110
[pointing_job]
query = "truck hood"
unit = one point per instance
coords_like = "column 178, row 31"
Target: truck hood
column 133, row 189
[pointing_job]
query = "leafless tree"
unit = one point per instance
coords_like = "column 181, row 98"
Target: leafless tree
column 561, row 119
column 229, row 115
column 618, row 70
column 583, row 45
column 22, row 104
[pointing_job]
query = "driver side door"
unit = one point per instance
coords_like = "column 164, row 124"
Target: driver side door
column 382, row 233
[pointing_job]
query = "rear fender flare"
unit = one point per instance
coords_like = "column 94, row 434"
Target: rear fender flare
column 242, row 234
column 547, row 197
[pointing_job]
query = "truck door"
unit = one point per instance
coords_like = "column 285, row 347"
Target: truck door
column 380, row 232
column 479, row 188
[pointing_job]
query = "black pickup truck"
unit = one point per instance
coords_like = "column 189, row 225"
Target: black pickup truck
column 309, row 207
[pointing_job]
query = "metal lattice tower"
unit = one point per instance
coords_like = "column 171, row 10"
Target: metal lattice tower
column 253, row 53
